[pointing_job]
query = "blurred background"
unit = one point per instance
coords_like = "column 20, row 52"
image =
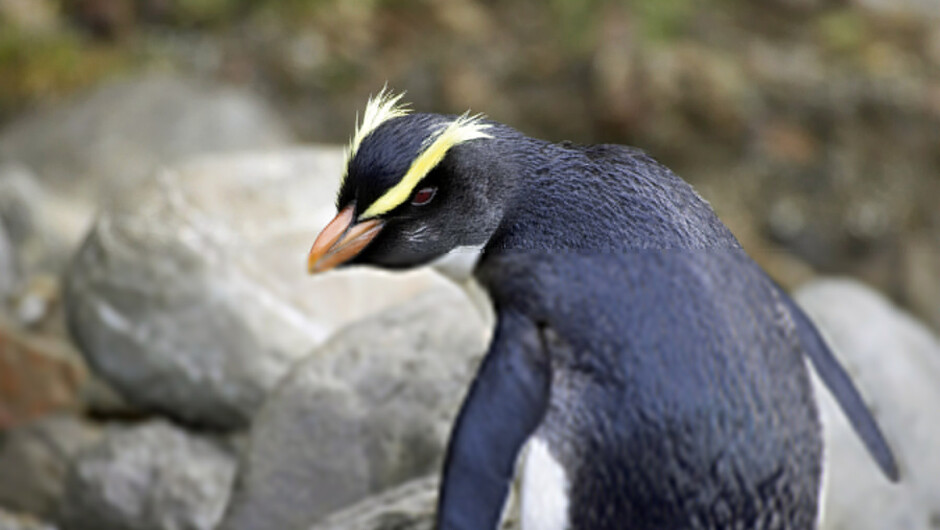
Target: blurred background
column 812, row 126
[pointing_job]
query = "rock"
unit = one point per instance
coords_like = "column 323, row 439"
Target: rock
column 90, row 149
column 33, row 16
column 920, row 278
column 410, row 506
column 117, row 134
column 38, row 455
column 150, row 477
column 36, row 301
column 191, row 295
column 407, row 507
column 8, row 271
column 911, row 9
column 10, row 521
column 42, row 228
column 895, row 361
column 368, row 410
column 38, row 375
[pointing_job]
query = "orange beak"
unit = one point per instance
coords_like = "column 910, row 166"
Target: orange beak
column 341, row 240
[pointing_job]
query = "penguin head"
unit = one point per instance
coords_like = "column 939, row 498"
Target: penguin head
column 416, row 187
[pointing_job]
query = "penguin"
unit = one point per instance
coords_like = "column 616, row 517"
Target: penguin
column 656, row 376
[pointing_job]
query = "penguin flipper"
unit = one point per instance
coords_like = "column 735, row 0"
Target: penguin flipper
column 843, row 390
column 504, row 405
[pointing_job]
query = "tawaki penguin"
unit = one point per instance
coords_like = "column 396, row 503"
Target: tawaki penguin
column 656, row 373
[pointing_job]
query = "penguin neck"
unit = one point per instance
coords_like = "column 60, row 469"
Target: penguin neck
column 602, row 198
column 458, row 266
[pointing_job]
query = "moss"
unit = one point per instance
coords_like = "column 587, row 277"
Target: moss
column 663, row 20
column 843, row 31
column 575, row 21
column 191, row 12
column 46, row 66
column 658, row 21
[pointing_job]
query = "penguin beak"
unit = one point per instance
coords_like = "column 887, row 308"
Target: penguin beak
column 341, row 240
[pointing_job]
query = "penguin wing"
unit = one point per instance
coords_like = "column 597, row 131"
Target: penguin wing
column 840, row 385
column 504, row 405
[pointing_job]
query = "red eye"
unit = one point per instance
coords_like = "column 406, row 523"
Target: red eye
column 423, row 196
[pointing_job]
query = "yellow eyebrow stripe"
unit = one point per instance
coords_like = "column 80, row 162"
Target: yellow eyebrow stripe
column 463, row 129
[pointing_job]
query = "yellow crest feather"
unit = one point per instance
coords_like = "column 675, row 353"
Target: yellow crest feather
column 380, row 108
column 463, row 129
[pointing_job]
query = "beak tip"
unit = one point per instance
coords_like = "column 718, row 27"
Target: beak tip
column 314, row 267
column 313, row 260
column 341, row 241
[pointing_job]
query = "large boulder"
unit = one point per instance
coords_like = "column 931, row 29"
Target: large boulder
column 34, row 460
column 406, row 507
column 410, row 506
column 149, row 477
column 895, row 361
column 91, row 148
column 368, row 410
column 118, row 133
column 191, row 295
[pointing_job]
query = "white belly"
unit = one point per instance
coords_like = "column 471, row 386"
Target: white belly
column 544, row 495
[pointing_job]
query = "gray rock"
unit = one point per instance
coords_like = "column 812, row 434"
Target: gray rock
column 11, row 521
column 370, row 409
column 410, row 506
column 407, row 507
column 895, row 361
column 85, row 151
column 118, row 133
column 8, row 270
column 150, row 477
column 34, row 460
column 191, row 295
column 42, row 228
column 902, row 9
column 19, row 191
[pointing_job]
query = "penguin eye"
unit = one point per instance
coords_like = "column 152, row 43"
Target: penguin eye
column 423, row 196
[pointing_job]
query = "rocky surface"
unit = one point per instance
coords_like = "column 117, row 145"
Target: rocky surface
column 410, row 506
column 406, row 507
column 118, row 133
column 8, row 272
column 85, row 151
column 895, row 361
column 149, row 477
column 36, row 458
column 30, row 216
column 368, row 410
column 11, row 521
column 191, row 295
column 38, row 375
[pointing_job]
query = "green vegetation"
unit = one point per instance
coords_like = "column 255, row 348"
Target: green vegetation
column 49, row 65
column 842, row 31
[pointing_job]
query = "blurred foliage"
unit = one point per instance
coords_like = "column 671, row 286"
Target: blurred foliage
column 36, row 67
column 842, row 31
column 658, row 20
column 102, row 37
column 208, row 11
column 663, row 20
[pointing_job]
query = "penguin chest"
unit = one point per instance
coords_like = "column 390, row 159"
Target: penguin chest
column 545, row 488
